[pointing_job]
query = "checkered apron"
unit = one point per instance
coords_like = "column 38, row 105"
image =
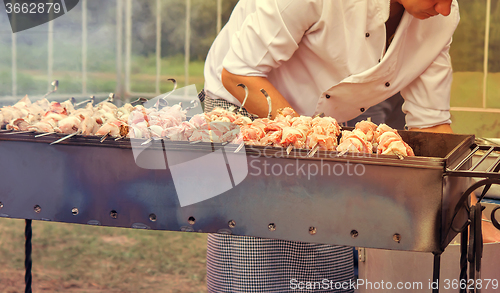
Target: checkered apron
column 248, row 264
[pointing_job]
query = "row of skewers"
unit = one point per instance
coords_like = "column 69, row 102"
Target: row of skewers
column 290, row 131
column 133, row 120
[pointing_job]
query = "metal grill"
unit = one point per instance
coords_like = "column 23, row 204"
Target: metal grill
column 488, row 166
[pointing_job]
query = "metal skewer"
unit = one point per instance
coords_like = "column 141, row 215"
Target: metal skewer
column 92, row 99
column 194, row 104
column 147, row 141
column 246, row 96
column 110, row 99
column 19, row 132
column 268, row 102
column 139, row 100
column 175, row 83
column 157, row 104
column 313, row 151
column 55, row 84
column 344, row 151
column 45, row 134
column 66, row 137
column 242, row 144
column 103, row 138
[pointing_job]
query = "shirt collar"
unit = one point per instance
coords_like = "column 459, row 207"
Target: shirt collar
column 383, row 8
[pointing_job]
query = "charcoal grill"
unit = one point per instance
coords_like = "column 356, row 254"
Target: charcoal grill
column 415, row 204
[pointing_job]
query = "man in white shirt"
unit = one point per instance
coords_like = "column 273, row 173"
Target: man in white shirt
column 323, row 56
column 337, row 57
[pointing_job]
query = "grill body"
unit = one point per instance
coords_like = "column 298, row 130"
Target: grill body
column 365, row 201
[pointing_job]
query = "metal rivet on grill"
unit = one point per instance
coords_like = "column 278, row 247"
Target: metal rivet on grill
column 397, row 238
column 113, row 214
column 232, row 224
column 367, row 35
column 191, row 220
column 387, row 84
column 1, row 205
column 37, row 209
column 74, row 211
column 354, row 234
column 312, row 230
column 271, row 227
column 152, row 217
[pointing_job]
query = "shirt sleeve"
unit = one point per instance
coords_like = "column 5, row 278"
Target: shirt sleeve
column 427, row 98
column 270, row 35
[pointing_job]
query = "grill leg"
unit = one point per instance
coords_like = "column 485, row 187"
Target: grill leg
column 463, row 258
column 27, row 259
column 436, row 271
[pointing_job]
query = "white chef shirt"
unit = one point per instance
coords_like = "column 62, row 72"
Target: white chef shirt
column 328, row 56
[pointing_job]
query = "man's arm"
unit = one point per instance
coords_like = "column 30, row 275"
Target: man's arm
column 443, row 128
column 256, row 102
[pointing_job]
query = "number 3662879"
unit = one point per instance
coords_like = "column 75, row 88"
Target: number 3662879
column 32, row 8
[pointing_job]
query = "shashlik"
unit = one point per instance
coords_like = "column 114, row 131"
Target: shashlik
column 286, row 130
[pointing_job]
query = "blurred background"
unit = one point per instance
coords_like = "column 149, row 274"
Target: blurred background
column 131, row 48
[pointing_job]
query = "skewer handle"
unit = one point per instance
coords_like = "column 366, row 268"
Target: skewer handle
column 246, row 96
column 268, row 102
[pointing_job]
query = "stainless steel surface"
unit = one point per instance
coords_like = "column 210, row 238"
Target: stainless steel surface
column 412, row 271
column 322, row 199
column 484, row 161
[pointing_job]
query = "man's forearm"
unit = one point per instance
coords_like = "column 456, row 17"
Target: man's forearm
column 256, row 102
column 443, row 128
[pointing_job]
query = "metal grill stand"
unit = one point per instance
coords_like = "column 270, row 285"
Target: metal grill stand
column 27, row 260
column 471, row 234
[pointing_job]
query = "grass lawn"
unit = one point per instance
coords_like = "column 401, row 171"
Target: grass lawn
column 142, row 80
column 467, row 92
column 81, row 258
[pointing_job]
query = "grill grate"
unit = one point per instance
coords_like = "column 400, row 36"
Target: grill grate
column 487, row 166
